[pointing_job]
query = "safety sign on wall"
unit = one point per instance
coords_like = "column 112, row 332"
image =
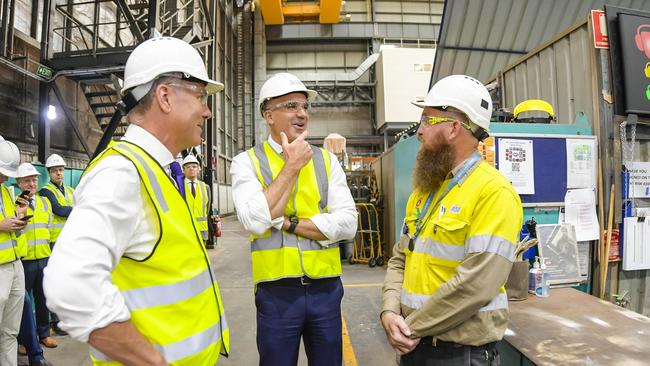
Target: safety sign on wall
column 599, row 27
column 635, row 46
column 639, row 179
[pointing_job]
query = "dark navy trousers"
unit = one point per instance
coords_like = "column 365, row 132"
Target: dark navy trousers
column 34, row 284
column 27, row 335
column 288, row 311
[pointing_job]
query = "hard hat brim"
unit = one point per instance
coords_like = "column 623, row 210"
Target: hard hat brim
column 9, row 172
column 212, row 86
column 419, row 103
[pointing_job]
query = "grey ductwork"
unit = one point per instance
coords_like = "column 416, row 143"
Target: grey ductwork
column 345, row 76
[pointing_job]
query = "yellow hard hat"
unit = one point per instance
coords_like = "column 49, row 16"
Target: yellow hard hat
column 534, row 105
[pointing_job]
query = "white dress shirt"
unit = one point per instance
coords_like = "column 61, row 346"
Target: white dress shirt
column 109, row 220
column 339, row 223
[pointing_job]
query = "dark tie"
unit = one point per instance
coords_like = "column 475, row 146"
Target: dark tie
column 193, row 189
column 31, row 204
column 179, row 178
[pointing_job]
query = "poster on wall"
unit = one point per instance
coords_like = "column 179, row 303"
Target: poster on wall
column 516, row 164
column 634, row 33
column 581, row 163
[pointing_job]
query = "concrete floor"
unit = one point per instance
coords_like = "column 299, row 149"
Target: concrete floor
column 232, row 265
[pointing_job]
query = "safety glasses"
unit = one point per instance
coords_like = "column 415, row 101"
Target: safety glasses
column 292, row 106
column 433, row 120
column 203, row 94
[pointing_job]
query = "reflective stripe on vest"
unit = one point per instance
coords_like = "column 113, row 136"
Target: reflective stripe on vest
column 63, row 200
column 37, row 231
column 277, row 254
column 172, row 296
column 179, row 350
column 8, row 243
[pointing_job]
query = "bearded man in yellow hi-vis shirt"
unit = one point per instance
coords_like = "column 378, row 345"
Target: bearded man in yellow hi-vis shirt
column 444, row 301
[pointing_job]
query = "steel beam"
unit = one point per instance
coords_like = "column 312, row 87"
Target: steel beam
column 152, row 17
column 133, row 26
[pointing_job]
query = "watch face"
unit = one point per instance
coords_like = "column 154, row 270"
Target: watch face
column 294, row 219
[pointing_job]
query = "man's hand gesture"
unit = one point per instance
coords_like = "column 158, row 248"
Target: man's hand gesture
column 297, row 153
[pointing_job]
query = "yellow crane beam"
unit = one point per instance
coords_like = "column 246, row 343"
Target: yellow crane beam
column 275, row 11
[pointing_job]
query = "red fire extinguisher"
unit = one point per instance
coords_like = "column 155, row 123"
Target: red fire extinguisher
column 217, row 225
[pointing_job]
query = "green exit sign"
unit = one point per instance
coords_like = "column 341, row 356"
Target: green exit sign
column 44, row 71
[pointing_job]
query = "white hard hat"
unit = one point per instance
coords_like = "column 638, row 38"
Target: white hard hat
column 464, row 93
column 9, row 158
column 26, row 170
column 281, row 84
column 161, row 55
column 54, row 160
column 190, row 159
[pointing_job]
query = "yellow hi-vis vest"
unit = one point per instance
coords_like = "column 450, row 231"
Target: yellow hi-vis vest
column 172, row 294
column 9, row 250
column 37, row 231
column 67, row 200
column 459, row 226
column 278, row 254
column 199, row 205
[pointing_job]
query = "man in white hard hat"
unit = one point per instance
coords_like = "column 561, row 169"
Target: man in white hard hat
column 12, row 277
column 130, row 274
column 35, row 259
column 61, row 199
column 197, row 194
column 443, row 297
column 294, row 200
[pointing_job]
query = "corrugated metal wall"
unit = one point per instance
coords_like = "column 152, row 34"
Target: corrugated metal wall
column 561, row 74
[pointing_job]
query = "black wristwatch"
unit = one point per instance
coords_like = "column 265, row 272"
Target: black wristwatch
column 294, row 222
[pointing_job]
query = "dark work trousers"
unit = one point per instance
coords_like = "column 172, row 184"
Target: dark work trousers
column 288, row 310
column 451, row 354
column 34, row 283
column 27, row 335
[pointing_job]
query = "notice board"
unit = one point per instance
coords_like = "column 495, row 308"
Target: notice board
column 550, row 166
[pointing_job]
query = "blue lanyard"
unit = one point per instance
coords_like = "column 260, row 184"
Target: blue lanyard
column 425, row 214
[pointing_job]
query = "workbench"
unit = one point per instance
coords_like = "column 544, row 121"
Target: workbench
column 573, row 328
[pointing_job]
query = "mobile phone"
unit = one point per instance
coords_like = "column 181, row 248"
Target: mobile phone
column 26, row 218
column 23, row 195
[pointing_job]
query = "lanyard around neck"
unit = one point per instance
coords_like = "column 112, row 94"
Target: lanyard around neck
column 425, row 214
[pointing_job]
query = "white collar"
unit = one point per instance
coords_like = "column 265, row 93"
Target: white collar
column 274, row 145
column 149, row 143
column 187, row 180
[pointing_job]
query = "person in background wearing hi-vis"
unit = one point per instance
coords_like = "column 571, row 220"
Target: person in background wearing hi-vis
column 61, row 199
column 12, row 276
column 130, row 274
column 37, row 236
column 444, row 301
column 197, row 194
column 294, row 200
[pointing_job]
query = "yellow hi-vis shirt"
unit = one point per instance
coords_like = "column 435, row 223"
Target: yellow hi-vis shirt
column 278, row 254
column 9, row 247
column 172, row 294
column 482, row 214
column 67, row 200
column 199, row 205
column 37, row 232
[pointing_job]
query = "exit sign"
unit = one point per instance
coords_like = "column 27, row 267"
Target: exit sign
column 44, row 71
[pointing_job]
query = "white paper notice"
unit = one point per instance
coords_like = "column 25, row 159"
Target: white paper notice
column 516, row 163
column 581, row 163
column 580, row 211
column 639, row 179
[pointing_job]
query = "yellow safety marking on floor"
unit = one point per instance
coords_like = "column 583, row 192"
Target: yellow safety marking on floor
column 349, row 359
column 363, row 285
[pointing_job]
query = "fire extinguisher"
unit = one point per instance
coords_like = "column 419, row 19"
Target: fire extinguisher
column 217, row 224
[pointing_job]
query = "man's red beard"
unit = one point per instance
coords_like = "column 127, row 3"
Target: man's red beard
column 432, row 167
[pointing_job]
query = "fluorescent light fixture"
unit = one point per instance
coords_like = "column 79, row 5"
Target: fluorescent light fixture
column 51, row 112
